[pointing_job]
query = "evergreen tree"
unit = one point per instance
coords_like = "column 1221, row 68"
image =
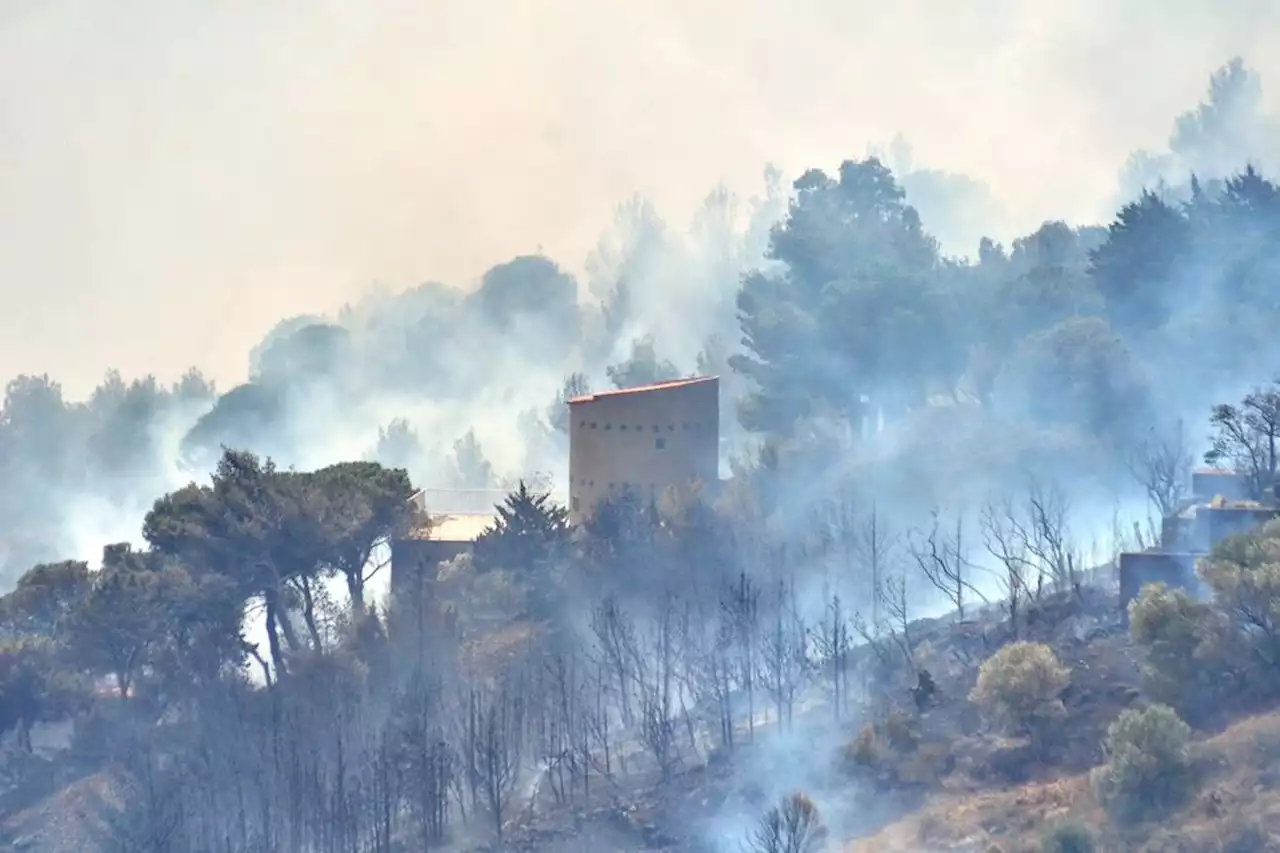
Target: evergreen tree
column 530, row 531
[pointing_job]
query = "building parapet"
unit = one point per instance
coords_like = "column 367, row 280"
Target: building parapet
column 1176, row 570
column 466, row 501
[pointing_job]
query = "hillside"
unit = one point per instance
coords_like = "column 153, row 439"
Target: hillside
column 1237, row 808
column 893, row 774
column 945, row 777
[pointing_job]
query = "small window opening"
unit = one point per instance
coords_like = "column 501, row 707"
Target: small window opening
column 660, row 444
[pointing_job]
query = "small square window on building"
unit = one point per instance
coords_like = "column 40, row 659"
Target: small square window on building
column 593, row 424
column 608, row 426
column 622, row 427
column 659, row 444
column 575, row 503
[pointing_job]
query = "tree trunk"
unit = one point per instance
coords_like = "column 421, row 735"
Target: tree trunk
column 273, row 635
column 355, row 588
column 286, row 628
column 309, row 614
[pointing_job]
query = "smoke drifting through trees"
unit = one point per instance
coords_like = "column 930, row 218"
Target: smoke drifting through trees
column 664, row 633
column 399, row 377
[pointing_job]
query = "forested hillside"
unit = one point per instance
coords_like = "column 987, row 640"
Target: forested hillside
column 910, row 435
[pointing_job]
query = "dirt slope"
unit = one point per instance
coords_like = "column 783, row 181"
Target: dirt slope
column 1237, row 808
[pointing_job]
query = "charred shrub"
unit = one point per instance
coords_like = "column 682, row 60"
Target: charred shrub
column 897, row 753
column 900, row 732
column 865, row 751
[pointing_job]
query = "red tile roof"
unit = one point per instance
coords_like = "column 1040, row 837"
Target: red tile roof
column 656, row 386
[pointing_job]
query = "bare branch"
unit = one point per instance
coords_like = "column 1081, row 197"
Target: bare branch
column 1161, row 464
column 941, row 558
column 1005, row 540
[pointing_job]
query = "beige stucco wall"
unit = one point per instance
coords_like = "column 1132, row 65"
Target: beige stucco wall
column 646, row 439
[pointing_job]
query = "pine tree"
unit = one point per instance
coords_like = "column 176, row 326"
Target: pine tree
column 530, row 530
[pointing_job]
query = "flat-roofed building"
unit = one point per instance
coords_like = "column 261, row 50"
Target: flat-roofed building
column 1208, row 483
column 1187, row 538
column 456, row 518
column 646, row 440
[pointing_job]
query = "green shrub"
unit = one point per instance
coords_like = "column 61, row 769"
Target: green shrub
column 1187, row 646
column 1148, row 769
column 1019, row 687
column 1069, row 837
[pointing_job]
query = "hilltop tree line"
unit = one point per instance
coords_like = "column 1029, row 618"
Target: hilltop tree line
column 355, row 726
column 351, row 725
column 1062, row 343
column 656, row 637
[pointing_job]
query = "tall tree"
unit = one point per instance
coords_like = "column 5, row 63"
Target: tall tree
column 469, row 469
column 575, row 385
column 1134, row 269
column 1078, row 373
column 1247, row 436
column 45, row 597
column 249, row 525
column 843, row 322
column 361, row 506
column 398, row 445
column 120, row 624
column 642, row 367
column 530, row 531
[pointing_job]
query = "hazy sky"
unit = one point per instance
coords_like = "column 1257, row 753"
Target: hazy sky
column 177, row 176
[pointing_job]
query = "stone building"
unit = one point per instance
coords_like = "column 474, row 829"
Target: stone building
column 1208, row 483
column 1192, row 534
column 457, row 518
column 646, row 439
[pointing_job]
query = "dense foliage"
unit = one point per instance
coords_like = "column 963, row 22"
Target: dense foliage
column 823, row 315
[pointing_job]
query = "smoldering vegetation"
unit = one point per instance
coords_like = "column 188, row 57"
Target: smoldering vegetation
column 906, row 433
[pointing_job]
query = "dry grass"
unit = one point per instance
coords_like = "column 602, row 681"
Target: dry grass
column 977, row 820
column 1236, row 808
column 487, row 654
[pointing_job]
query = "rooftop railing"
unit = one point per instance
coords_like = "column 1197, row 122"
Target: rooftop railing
column 465, row 501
